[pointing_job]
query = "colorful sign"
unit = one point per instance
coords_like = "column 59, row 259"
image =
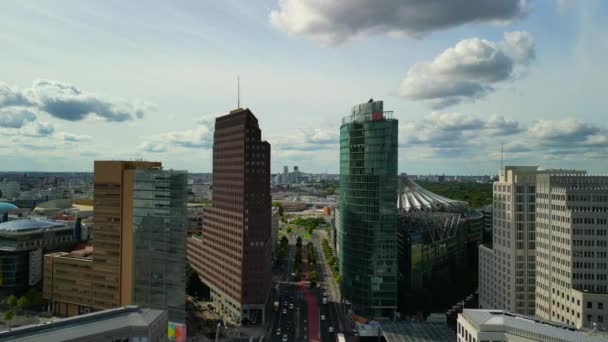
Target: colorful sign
column 176, row 332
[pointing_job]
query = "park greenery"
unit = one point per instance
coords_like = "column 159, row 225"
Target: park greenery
column 309, row 223
column 476, row 194
column 282, row 250
column 312, row 261
column 297, row 264
column 331, row 259
column 278, row 205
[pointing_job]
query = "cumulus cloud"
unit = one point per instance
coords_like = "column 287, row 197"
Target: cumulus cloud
column 332, row 22
column 15, row 117
column 306, row 139
column 153, row 147
column 68, row 102
column 468, row 71
column 70, row 137
column 562, row 131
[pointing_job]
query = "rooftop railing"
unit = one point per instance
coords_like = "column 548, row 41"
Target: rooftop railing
column 375, row 116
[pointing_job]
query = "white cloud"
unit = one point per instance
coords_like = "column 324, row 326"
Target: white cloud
column 467, row 71
column 15, row 117
column 332, row 22
column 153, row 147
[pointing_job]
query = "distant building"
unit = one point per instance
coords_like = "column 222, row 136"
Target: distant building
column 368, row 189
column 498, row 325
column 138, row 242
column 285, row 175
column 9, row 189
column 22, row 244
column 423, row 331
column 237, row 240
column 128, row 323
column 572, row 249
column 296, row 174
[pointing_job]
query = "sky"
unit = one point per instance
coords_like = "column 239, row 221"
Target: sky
column 89, row 80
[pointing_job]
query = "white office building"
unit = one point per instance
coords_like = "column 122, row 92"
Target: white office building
column 572, row 249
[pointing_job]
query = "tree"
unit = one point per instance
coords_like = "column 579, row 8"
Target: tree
column 8, row 316
column 289, row 229
column 278, row 205
column 12, row 300
column 22, row 302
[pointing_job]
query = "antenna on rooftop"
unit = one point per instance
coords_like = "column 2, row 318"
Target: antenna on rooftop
column 238, row 92
column 502, row 155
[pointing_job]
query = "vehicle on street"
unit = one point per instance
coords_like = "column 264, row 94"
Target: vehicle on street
column 324, row 300
column 291, row 306
column 276, row 306
column 284, row 311
column 285, row 338
column 331, row 329
column 340, row 337
column 322, row 317
column 325, row 294
column 279, row 331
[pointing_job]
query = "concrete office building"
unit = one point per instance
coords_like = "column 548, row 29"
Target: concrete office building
column 507, row 270
column 368, row 214
column 237, row 242
column 296, row 174
column 139, row 244
column 128, row 323
column 572, row 249
column 502, row 326
column 285, row 175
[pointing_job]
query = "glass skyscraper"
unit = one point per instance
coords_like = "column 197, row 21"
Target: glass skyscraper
column 368, row 210
column 159, row 240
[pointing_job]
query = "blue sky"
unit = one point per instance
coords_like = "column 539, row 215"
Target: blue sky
column 90, row 80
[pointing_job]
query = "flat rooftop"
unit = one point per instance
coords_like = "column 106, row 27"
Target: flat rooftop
column 80, row 327
column 416, row 331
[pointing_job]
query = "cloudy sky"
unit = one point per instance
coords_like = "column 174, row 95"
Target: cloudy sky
column 86, row 80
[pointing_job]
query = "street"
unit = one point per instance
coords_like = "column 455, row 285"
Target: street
column 301, row 314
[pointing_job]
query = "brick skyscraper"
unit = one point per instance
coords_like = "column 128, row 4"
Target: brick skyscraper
column 236, row 243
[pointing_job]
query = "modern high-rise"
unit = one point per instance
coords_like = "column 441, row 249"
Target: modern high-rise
column 285, row 174
column 138, row 242
column 112, row 231
column 160, row 220
column 236, row 241
column 572, row 249
column 368, row 210
column 507, row 270
column 296, row 174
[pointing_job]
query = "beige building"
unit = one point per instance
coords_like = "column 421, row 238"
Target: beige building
column 507, row 271
column 107, row 277
column 572, row 249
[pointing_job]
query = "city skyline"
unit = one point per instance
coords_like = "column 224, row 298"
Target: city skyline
column 147, row 82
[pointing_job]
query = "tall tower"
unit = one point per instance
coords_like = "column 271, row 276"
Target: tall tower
column 368, row 210
column 507, row 270
column 112, row 231
column 237, row 246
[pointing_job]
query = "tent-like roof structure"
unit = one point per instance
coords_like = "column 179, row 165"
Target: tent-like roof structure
column 4, row 207
column 413, row 197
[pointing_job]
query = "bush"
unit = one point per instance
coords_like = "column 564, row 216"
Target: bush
column 289, row 229
column 9, row 315
column 12, row 300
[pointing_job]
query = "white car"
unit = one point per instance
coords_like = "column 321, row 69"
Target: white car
column 331, row 329
column 279, row 331
column 290, row 306
column 285, row 338
column 284, row 311
column 322, row 317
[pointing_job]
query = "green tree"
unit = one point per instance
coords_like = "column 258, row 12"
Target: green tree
column 22, row 302
column 278, row 205
column 12, row 300
column 289, row 229
column 8, row 316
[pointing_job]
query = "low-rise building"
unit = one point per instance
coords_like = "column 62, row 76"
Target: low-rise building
column 128, row 323
column 22, row 244
column 502, row 326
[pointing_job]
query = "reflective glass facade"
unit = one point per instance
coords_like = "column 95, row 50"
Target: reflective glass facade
column 368, row 210
column 159, row 237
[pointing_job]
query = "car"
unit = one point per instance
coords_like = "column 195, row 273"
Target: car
column 284, row 311
column 279, row 331
column 324, row 294
column 330, row 329
column 324, row 300
column 285, row 338
column 291, row 306
column 322, row 317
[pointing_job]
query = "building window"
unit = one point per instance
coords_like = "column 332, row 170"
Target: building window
column 589, row 305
